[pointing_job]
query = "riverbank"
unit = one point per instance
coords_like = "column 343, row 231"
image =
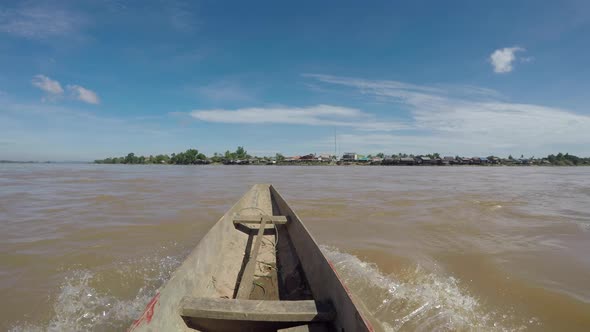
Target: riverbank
column 322, row 164
column 241, row 157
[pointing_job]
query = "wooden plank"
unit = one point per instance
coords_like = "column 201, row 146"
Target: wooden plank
column 314, row 327
column 246, row 283
column 255, row 310
column 278, row 220
column 300, row 328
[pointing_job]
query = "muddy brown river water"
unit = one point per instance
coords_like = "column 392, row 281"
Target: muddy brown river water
column 84, row 247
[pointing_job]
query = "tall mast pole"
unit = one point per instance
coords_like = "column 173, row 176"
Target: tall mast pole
column 335, row 152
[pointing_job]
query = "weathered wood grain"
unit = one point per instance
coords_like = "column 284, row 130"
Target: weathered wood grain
column 256, row 310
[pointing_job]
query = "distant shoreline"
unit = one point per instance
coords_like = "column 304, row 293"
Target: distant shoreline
column 288, row 164
column 240, row 157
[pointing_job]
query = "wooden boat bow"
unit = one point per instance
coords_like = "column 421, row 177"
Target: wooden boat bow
column 257, row 269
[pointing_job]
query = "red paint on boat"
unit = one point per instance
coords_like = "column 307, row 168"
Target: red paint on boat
column 147, row 314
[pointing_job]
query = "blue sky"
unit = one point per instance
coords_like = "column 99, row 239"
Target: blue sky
column 81, row 80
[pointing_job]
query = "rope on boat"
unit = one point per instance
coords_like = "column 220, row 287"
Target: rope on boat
column 275, row 244
column 264, row 214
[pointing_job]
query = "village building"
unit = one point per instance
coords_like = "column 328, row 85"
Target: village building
column 424, row 160
column 308, row 157
column 389, row 160
column 475, row 161
column 448, row 160
column 349, row 156
column 362, row 159
column 493, row 160
column 407, row 161
column 376, row 161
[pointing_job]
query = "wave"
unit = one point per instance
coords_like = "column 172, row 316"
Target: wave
column 83, row 304
column 416, row 300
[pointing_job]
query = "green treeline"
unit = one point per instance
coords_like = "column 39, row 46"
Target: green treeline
column 188, row 157
column 133, row 159
column 567, row 160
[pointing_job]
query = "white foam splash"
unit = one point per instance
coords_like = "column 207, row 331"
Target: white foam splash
column 80, row 306
column 417, row 301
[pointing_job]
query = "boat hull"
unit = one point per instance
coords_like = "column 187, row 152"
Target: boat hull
column 290, row 267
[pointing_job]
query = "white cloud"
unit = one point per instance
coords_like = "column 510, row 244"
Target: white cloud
column 453, row 121
column 39, row 22
column 51, row 87
column 450, row 119
column 55, row 91
column 502, row 59
column 47, row 84
column 83, row 94
column 318, row 115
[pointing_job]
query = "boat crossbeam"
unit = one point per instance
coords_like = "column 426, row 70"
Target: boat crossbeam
column 307, row 311
column 277, row 220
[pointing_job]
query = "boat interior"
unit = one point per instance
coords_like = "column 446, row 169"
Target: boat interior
column 271, row 291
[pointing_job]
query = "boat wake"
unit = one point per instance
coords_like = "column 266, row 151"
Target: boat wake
column 86, row 301
column 416, row 300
